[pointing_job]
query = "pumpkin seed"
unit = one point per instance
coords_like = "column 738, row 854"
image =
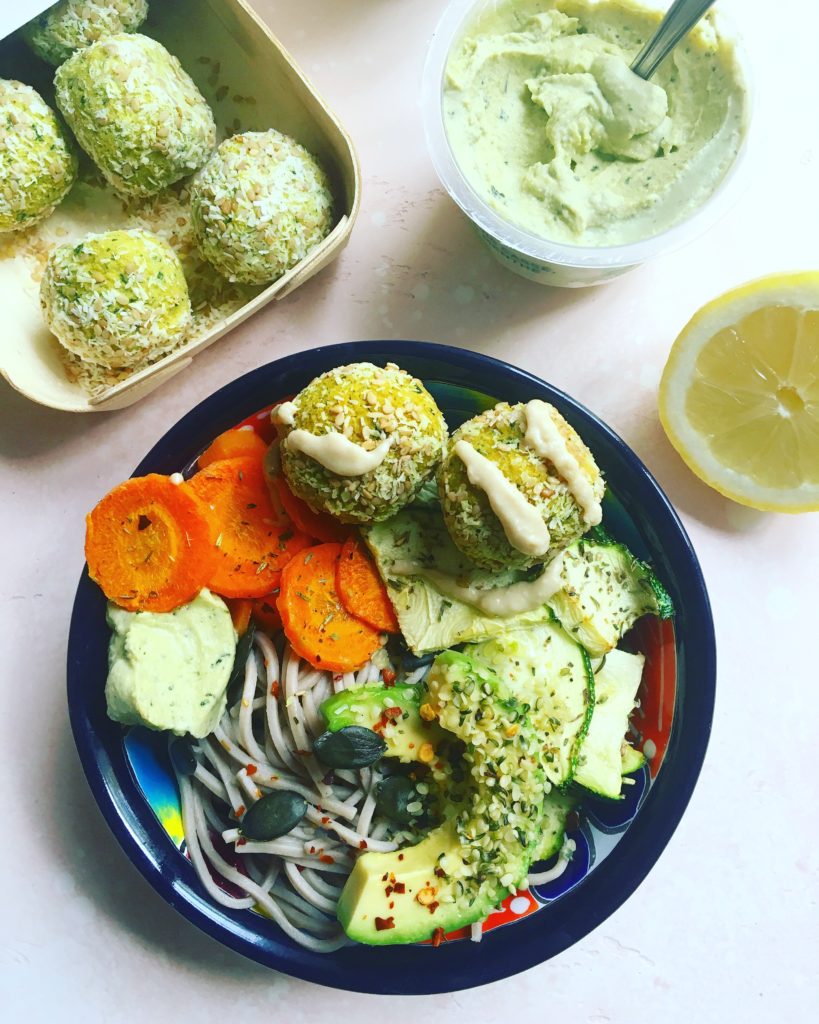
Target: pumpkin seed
column 350, row 747
column 274, row 815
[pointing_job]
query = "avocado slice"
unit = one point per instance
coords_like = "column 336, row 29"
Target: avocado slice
column 465, row 867
column 600, row 763
column 394, row 712
column 606, row 591
column 551, row 672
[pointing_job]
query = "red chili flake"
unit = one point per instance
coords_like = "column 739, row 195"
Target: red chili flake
column 437, row 937
column 251, row 769
column 439, row 873
column 400, row 856
column 383, row 924
column 388, row 676
column 383, row 878
column 392, row 904
column 325, row 858
column 433, row 906
column 241, row 842
column 400, row 888
column 388, row 891
column 392, row 712
column 324, row 820
column 312, row 849
column 274, row 689
column 240, row 810
column 363, row 844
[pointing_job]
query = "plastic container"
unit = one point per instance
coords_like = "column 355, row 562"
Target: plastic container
column 555, row 263
column 252, row 83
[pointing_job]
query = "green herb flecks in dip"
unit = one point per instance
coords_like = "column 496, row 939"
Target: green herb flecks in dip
column 553, row 130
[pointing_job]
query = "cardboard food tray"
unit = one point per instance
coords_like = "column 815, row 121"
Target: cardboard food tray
column 251, row 83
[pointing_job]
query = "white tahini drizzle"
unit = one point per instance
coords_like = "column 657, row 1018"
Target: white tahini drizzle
column 338, row 453
column 546, row 441
column 284, row 413
column 522, row 523
column 513, row 599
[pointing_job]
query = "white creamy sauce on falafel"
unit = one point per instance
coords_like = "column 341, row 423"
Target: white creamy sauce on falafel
column 522, row 523
column 544, row 438
column 284, row 413
column 337, row 453
column 514, row 599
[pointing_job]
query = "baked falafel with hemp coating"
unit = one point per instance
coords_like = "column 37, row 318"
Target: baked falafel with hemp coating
column 38, row 163
column 117, row 299
column 71, row 25
column 259, row 206
column 501, row 436
column 360, row 441
column 136, row 112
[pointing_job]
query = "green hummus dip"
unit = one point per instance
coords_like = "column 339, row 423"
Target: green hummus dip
column 170, row 670
column 552, row 129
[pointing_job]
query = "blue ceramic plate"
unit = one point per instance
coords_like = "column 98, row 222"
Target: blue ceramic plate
column 617, row 843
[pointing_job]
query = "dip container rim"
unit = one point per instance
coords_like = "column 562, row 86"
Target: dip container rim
column 454, row 22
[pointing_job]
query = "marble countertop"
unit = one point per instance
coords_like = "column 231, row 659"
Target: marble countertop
column 726, row 926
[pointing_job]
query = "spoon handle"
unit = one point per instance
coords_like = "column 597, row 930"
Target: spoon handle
column 682, row 16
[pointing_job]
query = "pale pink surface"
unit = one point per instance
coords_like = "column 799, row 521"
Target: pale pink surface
column 725, row 927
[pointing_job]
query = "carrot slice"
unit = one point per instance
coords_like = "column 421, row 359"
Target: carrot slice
column 148, row 545
column 240, row 608
column 314, row 524
column 315, row 621
column 252, row 546
column 233, row 444
column 361, row 589
column 266, row 614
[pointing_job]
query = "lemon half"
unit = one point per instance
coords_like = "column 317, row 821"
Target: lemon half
column 739, row 396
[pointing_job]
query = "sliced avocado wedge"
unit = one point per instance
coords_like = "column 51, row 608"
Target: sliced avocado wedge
column 393, row 712
column 552, row 673
column 398, row 897
column 606, row 591
column 465, row 867
column 601, row 760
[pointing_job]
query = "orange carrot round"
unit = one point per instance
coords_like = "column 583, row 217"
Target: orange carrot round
column 233, row 444
column 361, row 589
column 314, row 524
column 266, row 614
column 148, row 545
column 241, row 609
column 252, row 545
column 315, row 621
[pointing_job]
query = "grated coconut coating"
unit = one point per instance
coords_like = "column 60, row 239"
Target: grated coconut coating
column 366, row 403
column 498, row 434
column 259, row 206
column 38, row 164
column 71, row 25
column 136, row 112
column 116, row 299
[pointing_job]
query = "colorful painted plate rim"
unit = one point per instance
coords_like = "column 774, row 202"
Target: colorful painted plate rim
column 507, row 951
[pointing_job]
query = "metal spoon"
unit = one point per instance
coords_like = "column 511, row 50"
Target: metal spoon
column 682, row 16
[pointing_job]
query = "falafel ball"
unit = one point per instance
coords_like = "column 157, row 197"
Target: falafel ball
column 499, row 435
column 38, row 163
column 136, row 112
column 117, row 299
column 259, row 206
column 73, row 24
column 383, row 412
